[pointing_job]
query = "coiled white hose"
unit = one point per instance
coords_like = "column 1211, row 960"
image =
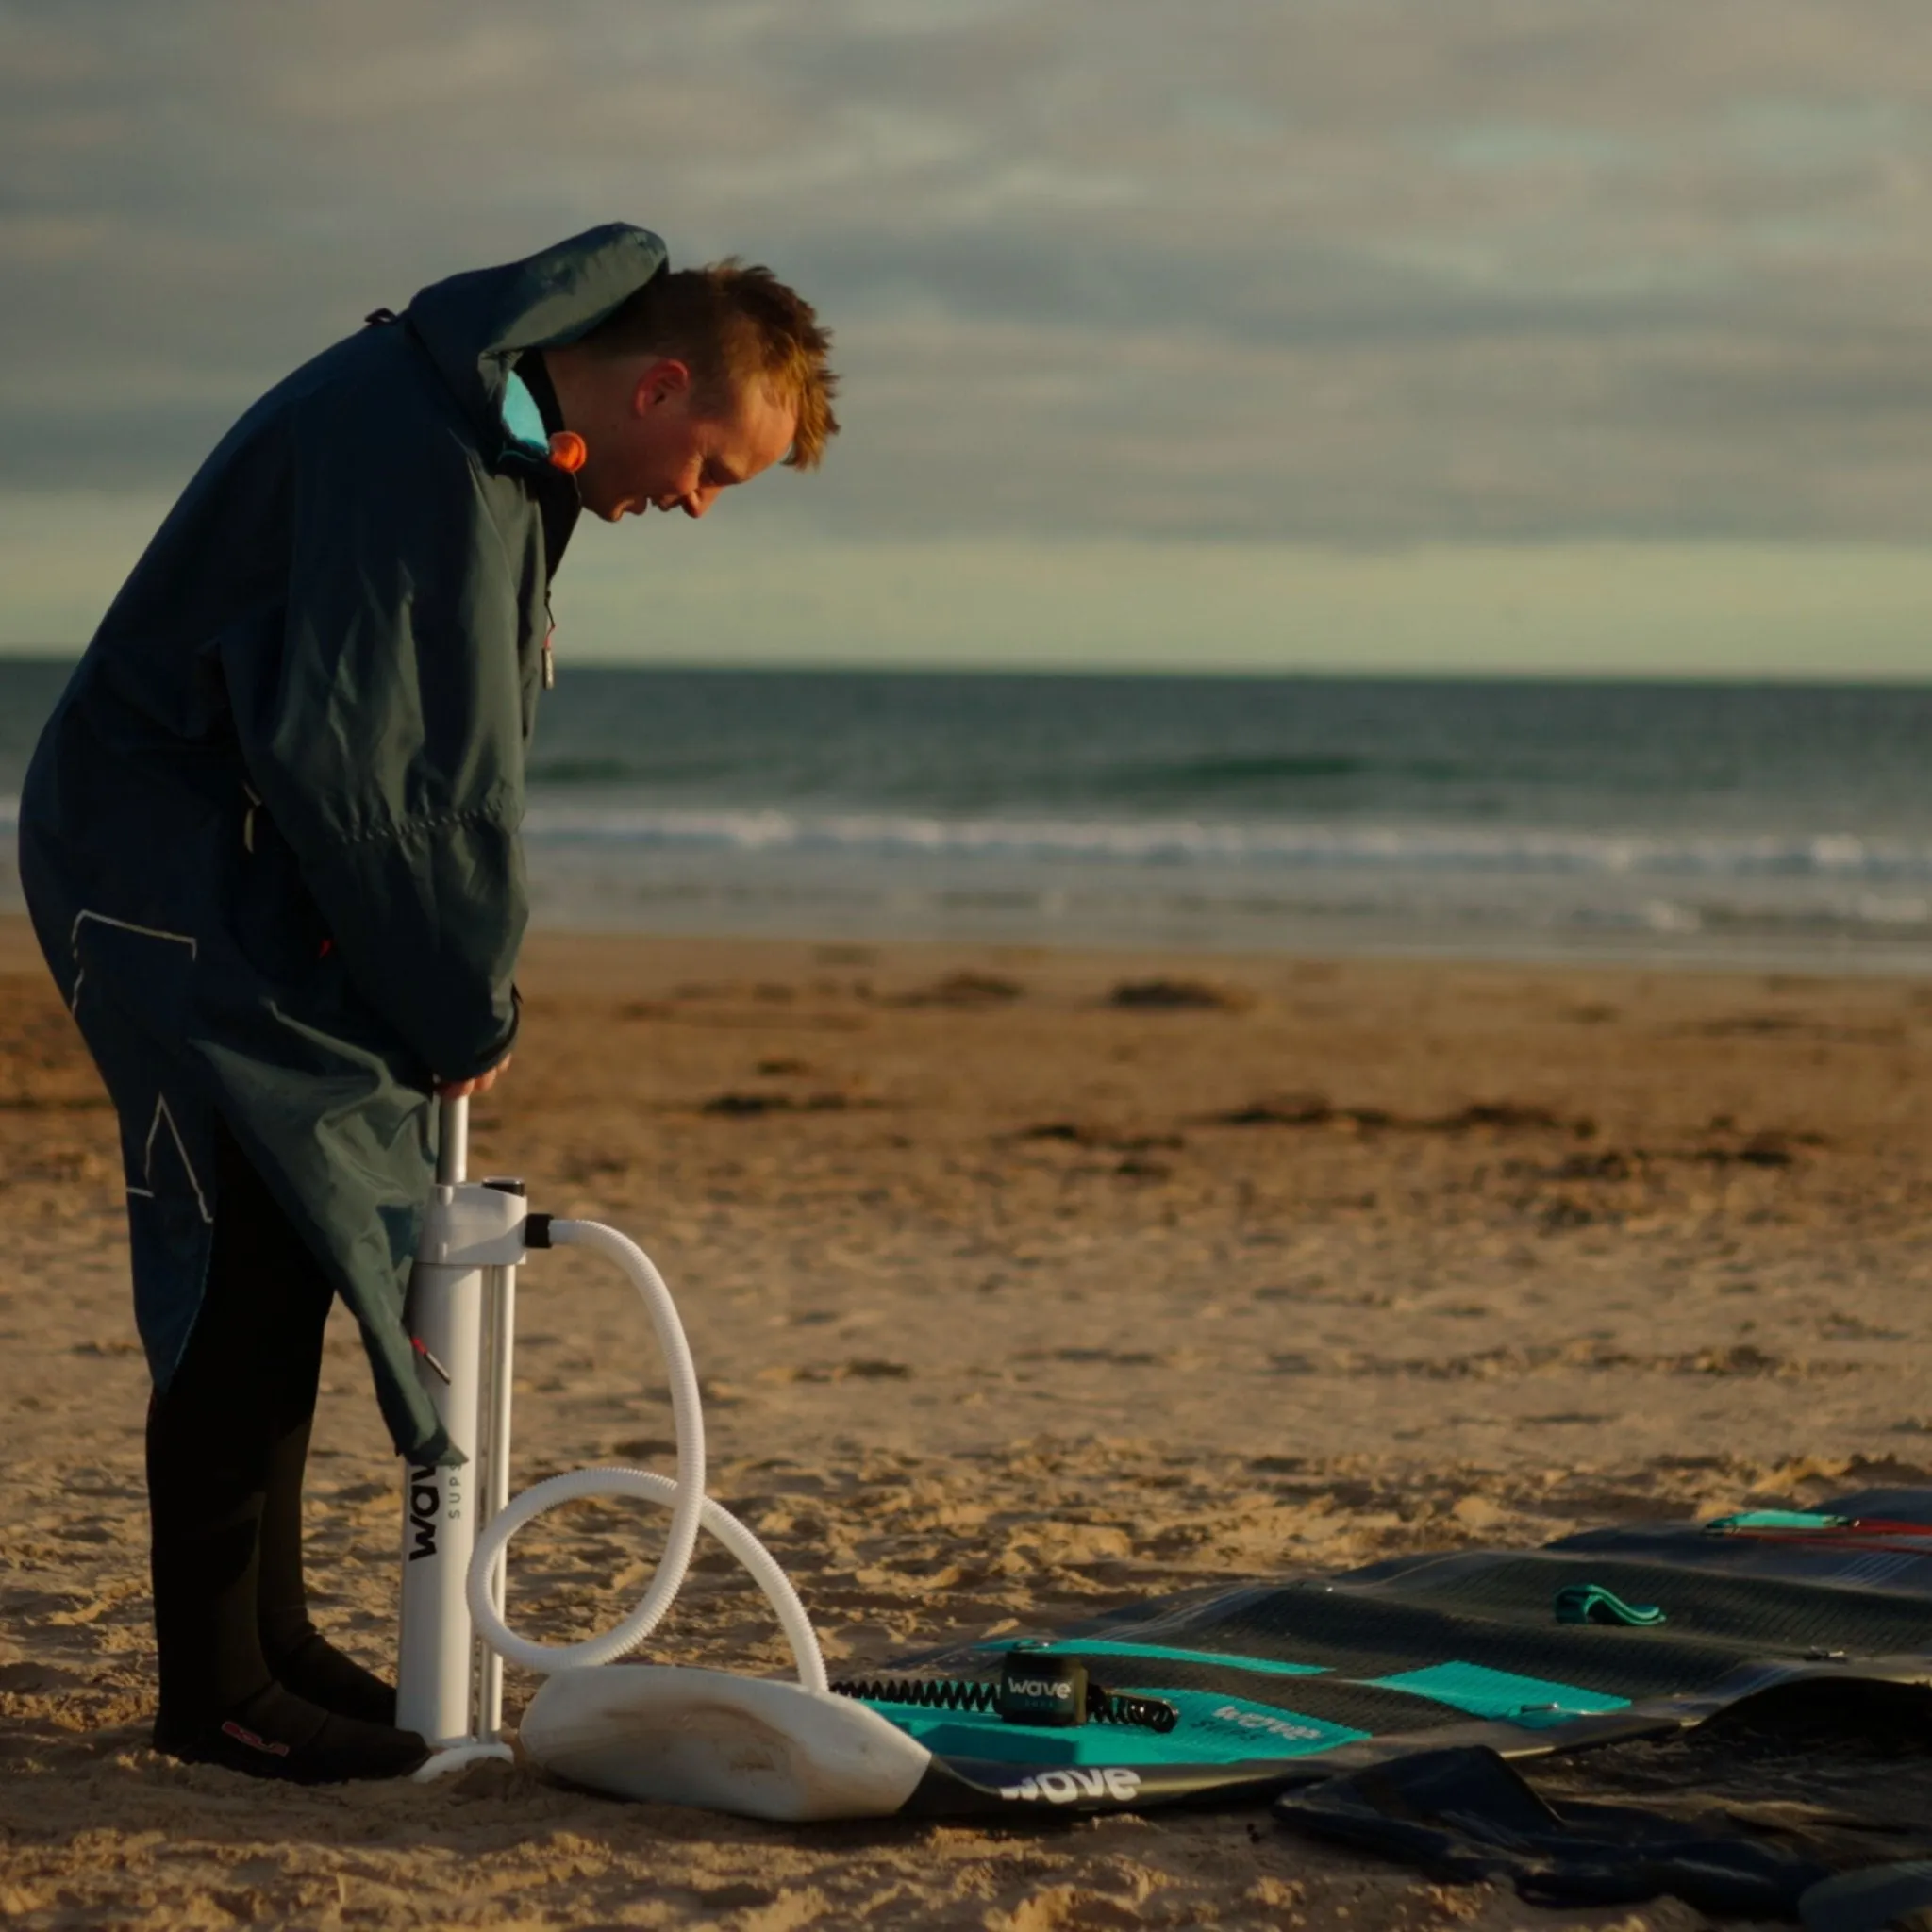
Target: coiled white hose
column 690, row 1508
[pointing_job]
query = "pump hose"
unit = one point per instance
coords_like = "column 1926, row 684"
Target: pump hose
column 684, row 1496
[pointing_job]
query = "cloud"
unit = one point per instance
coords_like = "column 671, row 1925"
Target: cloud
column 1354, row 272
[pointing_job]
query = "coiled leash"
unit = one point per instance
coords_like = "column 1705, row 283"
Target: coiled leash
column 1049, row 1692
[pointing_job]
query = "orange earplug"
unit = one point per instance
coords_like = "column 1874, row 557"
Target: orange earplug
column 568, row 451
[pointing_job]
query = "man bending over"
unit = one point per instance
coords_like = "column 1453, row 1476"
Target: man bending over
column 269, row 839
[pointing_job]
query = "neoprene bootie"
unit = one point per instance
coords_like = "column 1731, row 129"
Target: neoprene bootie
column 275, row 1734
column 306, row 1663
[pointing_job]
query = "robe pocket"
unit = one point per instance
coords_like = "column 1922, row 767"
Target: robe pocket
column 143, row 972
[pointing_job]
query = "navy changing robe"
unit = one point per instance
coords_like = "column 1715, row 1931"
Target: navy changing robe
column 269, row 838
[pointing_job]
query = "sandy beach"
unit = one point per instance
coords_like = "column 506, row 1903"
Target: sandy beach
column 1022, row 1283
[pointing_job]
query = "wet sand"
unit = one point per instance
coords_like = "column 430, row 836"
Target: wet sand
column 1016, row 1295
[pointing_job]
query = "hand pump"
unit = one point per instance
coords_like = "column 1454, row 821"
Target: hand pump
column 458, row 1517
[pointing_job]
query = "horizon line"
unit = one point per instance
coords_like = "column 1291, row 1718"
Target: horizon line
column 59, row 655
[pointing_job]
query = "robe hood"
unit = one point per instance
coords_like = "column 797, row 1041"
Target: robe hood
column 475, row 325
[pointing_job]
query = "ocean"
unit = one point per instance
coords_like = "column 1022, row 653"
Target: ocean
column 1786, row 828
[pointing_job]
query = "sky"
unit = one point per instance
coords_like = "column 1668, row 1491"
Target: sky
column 1564, row 336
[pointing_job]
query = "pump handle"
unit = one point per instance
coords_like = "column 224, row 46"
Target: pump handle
column 452, row 1143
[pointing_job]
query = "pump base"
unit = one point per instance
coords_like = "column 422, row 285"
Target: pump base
column 456, row 1757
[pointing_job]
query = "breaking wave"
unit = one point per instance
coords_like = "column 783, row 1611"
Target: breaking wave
column 1823, row 856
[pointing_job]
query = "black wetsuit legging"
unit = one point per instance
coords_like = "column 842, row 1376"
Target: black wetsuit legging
column 227, row 1446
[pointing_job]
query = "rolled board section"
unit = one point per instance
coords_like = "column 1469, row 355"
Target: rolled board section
column 753, row 1746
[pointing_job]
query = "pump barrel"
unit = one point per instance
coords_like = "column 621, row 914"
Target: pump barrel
column 465, row 1273
column 436, row 1651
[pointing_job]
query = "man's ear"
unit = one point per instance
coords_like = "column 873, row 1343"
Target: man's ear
column 659, row 383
